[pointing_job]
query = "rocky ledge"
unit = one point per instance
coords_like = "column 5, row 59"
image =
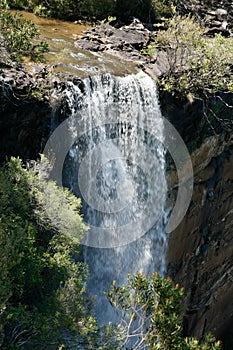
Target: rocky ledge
column 203, row 263
column 126, row 42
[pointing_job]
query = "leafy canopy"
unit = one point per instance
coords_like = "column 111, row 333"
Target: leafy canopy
column 42, row 288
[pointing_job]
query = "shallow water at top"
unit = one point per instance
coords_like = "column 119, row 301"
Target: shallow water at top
column 67, row 56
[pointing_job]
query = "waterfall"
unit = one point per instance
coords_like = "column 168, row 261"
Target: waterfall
column 117, row 166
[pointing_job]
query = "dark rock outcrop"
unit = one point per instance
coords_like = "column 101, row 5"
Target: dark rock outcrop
column 126, row 40
column 5, row 58
column 24, row 119
column 203, row 263
column 212, row 13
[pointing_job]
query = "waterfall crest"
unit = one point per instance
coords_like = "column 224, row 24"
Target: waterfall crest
column 117, row 166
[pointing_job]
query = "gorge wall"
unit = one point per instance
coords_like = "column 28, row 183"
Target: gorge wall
column 200, row 249
column 203, row 262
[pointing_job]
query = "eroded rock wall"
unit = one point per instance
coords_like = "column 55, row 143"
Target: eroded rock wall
column 200, row 256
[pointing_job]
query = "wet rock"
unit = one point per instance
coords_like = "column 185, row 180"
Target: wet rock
column 127, row 43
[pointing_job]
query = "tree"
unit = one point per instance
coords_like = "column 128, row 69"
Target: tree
column 151, row 310
column 43, row 301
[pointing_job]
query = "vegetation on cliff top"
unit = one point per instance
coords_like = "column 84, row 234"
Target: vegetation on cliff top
column 198, row 65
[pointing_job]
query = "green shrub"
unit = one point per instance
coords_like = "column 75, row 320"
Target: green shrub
column 66, row 9
column 19, row 36
column 152, row 315
column 161, row 8
column 43, row 300
column 197, row 64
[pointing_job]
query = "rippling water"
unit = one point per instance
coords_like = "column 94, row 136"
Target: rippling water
column 68, row 58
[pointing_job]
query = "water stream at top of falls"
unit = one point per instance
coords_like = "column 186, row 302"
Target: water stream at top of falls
column 66, row 56
column 117, row 166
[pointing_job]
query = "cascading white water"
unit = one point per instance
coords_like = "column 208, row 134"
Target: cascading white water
column 117, row 167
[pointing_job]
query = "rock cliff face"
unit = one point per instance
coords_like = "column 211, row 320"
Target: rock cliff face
column 200, row 250
column 24, row 120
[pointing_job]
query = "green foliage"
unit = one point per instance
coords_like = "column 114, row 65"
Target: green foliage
column 68, row 8
column 100, row 9
column 19, row 36
column 152, row 314
column 197, row 64
column 149, row 51
column 145, row 10
column 161, row 8
column 18, row 4
column 42, row 289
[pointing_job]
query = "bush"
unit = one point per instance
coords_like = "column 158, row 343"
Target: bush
column 161, row 8
column 145, row 10
column 152, row 315
column 19, row 36
column 197, row 64
column 43, row 300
